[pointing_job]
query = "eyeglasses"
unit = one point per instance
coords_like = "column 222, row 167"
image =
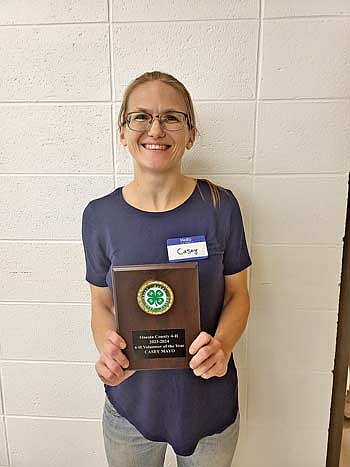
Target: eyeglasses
column 142, row 121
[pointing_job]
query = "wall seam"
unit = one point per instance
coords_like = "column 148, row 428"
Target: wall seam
column 40, row 302
column 50, row 362
column 112, row 84
column 7, row 443
column 45, row 417
column 192, row 20
column 120, row 23
column 252, row 181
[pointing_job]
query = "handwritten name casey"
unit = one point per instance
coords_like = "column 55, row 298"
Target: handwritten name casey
column 187, row 251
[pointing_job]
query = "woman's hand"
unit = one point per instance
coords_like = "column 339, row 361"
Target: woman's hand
column 112, row 364
column 210, row 358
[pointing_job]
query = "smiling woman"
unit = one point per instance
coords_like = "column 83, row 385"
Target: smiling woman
column 194, row 409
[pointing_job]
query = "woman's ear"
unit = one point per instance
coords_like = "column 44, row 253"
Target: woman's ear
column 191, row 139
column 122, row 138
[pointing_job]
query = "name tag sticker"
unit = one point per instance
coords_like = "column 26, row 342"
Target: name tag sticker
column 187, row 248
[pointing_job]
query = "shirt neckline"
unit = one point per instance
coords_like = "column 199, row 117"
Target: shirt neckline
column 158, row 213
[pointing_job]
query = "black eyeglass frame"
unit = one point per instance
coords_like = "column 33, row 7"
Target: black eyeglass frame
column 153, row 117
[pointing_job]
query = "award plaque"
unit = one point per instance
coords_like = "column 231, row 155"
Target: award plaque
column 157, row 313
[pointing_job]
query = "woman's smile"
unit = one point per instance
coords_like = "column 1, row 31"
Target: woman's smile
column 156, row 147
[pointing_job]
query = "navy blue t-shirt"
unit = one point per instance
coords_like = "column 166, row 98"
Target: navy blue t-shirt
column 174, row 406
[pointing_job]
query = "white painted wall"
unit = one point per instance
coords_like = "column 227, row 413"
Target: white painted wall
column 271, row 88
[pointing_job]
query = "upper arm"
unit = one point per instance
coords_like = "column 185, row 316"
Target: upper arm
column 94, row 242
column 101, row 296
column 236, row 254
column 236, row 284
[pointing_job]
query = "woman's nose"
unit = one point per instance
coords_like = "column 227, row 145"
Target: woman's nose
column 155, row 128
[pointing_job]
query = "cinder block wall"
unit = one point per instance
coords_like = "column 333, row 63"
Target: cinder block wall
column 270, row 82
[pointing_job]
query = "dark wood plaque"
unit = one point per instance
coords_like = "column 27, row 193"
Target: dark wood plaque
column 157, row 313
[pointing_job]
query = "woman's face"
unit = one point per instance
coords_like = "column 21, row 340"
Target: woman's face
column 156, row 97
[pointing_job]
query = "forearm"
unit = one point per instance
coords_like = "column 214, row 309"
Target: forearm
column 233, row 320
column 102, row 319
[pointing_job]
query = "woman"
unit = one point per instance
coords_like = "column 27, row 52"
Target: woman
column 195, row 410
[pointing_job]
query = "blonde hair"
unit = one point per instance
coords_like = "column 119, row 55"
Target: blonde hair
column 191, row 120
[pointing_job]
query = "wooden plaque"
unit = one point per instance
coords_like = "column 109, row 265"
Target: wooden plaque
column 157, row 313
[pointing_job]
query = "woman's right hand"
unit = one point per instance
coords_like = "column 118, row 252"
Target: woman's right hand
column 112, row 364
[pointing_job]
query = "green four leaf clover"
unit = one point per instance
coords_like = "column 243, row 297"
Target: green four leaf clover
column 155, row 297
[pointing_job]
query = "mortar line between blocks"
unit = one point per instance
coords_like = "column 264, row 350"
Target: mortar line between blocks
column 4, row 418
column 44, row 417
column 41, row 302
column 50, row 362
column 132, row 22
column 304, row 17
column 252, row 181
column 174, row 21
column 113, row 91
column 58, row 174
column 43, row 240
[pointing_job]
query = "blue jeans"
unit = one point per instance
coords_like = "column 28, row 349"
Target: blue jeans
column 125, row 446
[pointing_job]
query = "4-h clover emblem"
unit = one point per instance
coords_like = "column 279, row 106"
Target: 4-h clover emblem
column 155, row 297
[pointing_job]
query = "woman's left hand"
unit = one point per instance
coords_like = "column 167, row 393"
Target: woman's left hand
column 210, row 359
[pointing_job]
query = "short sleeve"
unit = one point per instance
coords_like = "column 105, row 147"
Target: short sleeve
column 97, row 262
column 236, row 256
